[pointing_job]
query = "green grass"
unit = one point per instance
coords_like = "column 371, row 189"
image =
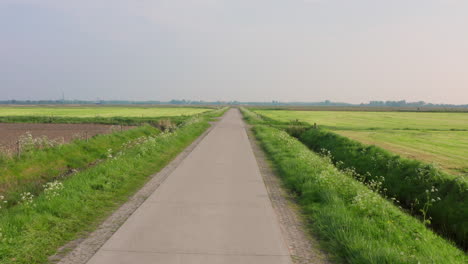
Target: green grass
column 447, row 150
column 99, row 111
column 440, row 138
column 31, row 233
column 353, row 223
column 347, row 120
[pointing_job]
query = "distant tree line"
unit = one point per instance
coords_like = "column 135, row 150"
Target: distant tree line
column 401, row 103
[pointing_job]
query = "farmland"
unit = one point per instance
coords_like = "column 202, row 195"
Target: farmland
column 354, row 120
column 40, row 149
column 57, row 192
column 447, row 149
column 99, row 111
column 10, row 134
column 440, row 138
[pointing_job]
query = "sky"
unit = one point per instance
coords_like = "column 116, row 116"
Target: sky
column 246, row 50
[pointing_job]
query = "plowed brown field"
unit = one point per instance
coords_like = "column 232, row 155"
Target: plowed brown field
column 11, row 132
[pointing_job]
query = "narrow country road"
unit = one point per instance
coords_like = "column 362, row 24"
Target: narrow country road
column 212, row 209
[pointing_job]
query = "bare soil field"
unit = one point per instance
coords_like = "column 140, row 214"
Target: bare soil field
column 10, row 133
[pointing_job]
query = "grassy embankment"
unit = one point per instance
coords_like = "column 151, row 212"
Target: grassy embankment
column 33, row 229
column 440, row 199
column 354, row 223
column 407, row 180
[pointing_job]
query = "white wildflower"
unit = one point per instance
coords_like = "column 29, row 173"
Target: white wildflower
column 52, row 189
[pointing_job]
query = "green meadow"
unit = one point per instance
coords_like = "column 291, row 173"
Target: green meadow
column 99, row 111
column 447, row 149
column 360, row 120
column 439, row 138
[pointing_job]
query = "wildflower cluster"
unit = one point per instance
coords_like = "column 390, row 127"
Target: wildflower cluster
column 431, row 198
column 166, row 125
column 426, row 172
column 144, row 144
column 52, row 189
column 27, row 199
column 109, row 153
column 2, row 201
column 27, row 142
column 368, row 201
column 376, row 185
column 190, row 121
column 326, row 154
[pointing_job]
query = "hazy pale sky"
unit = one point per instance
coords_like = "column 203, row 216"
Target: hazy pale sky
column 248, row 50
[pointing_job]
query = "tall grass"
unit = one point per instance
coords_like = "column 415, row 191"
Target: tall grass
column 354, row 223
column 34, row 167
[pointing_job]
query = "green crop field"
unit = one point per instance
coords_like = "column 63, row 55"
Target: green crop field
column 100, row 111
column 440, row 138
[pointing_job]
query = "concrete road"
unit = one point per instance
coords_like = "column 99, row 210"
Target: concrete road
column 212, row 209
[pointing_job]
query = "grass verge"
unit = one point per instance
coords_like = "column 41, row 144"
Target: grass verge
column 354, row 223
column 440, row 199
column 33, row 168
column 34, row 229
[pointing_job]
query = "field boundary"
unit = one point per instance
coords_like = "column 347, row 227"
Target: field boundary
column 81, row 250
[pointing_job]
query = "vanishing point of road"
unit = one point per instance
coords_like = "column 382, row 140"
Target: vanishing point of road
column 212, row 209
